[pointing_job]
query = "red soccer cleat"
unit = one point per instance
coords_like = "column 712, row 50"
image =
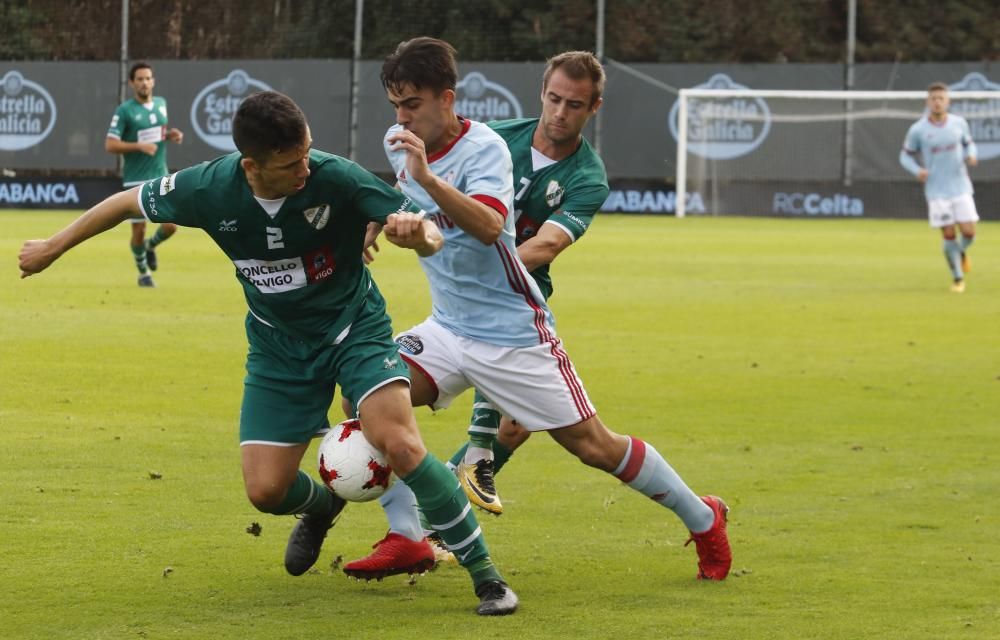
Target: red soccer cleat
column 714, row 554
column 394, row 554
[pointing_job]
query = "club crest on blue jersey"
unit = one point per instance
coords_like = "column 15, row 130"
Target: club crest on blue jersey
column 317, row 217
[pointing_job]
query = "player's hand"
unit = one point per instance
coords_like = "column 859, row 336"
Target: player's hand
column 922, row 175
column 416, row 154
column 149, row 148
column 35, row 256
column 411, row 231
column 175, row 135
column 371, row 242
column 972, row 161
column 405, row 229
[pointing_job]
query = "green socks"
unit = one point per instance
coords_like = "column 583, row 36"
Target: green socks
column 449, row 513
column 304, row 496
column 139, row 253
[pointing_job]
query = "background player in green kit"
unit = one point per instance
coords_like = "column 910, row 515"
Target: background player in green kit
column 139, row 132
column 295, row 222
column 559, row 184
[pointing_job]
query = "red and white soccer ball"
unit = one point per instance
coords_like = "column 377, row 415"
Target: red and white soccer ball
column 350, row 466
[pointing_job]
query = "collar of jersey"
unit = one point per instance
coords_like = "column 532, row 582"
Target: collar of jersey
column 466, row 124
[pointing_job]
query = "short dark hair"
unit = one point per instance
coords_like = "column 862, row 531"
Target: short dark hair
column 577, row 65
column 268, row 122
column 421, row 62
column 937, row 86
column 135, row 67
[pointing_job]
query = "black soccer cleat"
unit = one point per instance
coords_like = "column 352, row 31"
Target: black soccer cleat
column 496, row 599
column 307, row 539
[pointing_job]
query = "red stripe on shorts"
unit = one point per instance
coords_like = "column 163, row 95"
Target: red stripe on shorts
column 519, row 283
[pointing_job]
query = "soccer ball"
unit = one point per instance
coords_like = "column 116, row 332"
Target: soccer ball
column 350, row 466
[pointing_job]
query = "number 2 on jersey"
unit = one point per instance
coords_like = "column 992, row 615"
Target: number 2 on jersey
column 274, row 238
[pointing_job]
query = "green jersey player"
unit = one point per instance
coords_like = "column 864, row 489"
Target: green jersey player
column 295, row 223
column 139, row 131
column 559, row 184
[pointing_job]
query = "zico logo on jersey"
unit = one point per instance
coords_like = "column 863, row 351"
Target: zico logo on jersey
column 479, row 99
column 724, row 128
column 213, row 109
column 983, row 115
column 27, row 112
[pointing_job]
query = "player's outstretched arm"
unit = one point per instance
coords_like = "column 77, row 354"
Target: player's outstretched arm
column 36, row 255
column 412, row 231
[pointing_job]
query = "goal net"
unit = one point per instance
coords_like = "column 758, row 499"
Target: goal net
column 816, row 153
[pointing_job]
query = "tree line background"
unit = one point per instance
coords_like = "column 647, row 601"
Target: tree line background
column 713, row 31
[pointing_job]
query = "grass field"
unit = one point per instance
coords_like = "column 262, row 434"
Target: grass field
column 817, row 374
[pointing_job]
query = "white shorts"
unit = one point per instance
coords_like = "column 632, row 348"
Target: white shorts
column 944, row 212
column 537, row 386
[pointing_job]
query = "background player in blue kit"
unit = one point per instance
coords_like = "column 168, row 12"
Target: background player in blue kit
column 944, row 146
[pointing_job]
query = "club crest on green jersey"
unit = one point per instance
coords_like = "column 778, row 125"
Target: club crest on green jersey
column 554, row 193
column 317, row 217
column 167, row 183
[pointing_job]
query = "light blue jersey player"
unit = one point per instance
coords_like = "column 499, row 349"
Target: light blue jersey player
column 479, row 291
column 942, row 143
column 490, row 327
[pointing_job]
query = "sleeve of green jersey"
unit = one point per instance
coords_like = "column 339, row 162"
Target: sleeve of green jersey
column 117, row 127
column 172, row 198
column 374, row 199
column 577, row 211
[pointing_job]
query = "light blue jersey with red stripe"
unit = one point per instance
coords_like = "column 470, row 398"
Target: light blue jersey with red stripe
column 942, row 148
column 478, row 291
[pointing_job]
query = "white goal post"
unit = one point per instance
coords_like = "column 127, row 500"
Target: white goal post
column 712, row 117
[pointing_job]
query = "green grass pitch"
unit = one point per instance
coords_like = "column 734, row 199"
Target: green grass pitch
column 817, row 374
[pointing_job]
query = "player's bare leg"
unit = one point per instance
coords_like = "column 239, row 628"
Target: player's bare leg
column 640, row 466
